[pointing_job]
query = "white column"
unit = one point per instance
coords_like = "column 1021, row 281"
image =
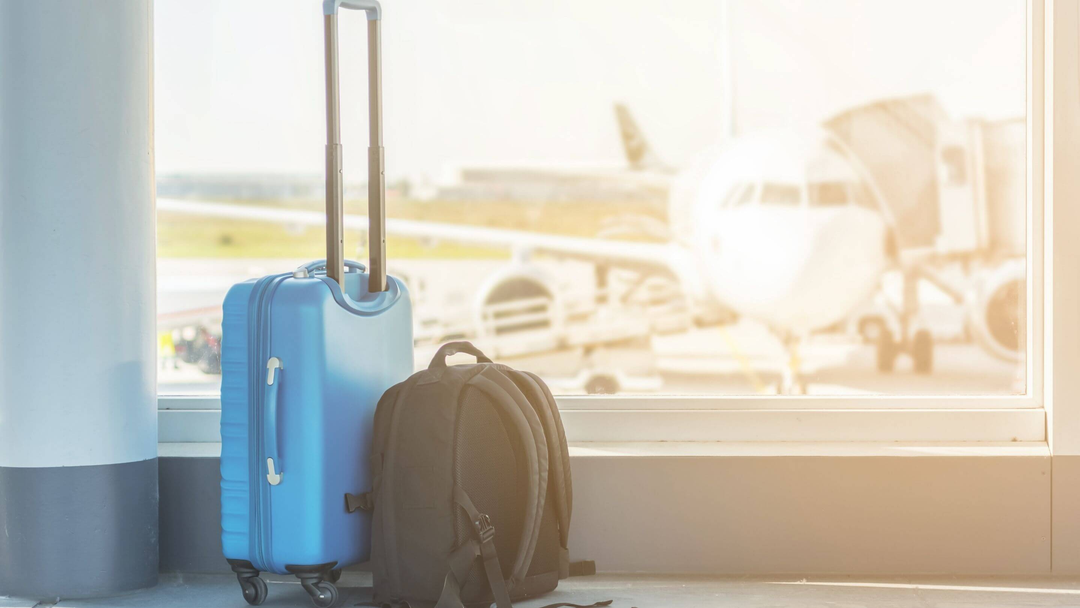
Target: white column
column 78, row 425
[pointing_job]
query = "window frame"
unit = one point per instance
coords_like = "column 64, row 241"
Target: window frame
column 826, row 418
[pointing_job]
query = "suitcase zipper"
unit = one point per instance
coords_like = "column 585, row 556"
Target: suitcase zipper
column 255, row 319
column 262, row 521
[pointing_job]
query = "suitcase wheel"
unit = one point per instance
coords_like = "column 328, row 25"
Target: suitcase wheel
column 324, row 594
column 253, row 587
column 254, row 590
column 318, row 581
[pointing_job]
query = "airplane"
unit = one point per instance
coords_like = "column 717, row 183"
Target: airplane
column 642, row 177
column 639, row 154
column 781, row 226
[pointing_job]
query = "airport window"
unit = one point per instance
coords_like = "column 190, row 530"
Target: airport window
column 547, row 185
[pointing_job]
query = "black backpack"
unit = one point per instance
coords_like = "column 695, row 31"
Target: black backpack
column 471, row 487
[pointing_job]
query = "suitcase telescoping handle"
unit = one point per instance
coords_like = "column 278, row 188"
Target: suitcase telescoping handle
column 335, row 248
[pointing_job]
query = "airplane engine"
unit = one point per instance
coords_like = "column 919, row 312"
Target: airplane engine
column 520, row 298
column 997, row 310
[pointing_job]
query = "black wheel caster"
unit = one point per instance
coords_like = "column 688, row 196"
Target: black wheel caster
column 253, row 587
column 324, row 594
column 255, row 591
column 317, row 581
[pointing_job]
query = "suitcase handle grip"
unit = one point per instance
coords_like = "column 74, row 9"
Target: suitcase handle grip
column 318, row 265
column 374, row 11
column 453, row 348
column 274, row 473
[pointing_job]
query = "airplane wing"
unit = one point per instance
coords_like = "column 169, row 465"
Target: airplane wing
column 664, row 257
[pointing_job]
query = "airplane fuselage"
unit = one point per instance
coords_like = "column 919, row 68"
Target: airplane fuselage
column 796, row 269
column 785, row 228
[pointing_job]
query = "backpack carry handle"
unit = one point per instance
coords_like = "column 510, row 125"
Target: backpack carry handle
column 453, row 348
column 335, row 235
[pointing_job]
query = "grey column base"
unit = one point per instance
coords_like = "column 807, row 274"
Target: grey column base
column 191, row 515
column 73, row 532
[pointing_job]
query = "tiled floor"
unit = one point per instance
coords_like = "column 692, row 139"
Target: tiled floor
column 630, row 591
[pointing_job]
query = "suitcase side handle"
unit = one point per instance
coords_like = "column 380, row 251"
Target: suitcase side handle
column 374, row 11
column 274, row 473
column 335, row 248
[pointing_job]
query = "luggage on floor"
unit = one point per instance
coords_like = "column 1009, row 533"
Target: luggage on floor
column 305, row 357
column 471, row 487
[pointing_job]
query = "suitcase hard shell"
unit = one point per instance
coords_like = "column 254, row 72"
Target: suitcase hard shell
column 306, row 355
column 338, row 354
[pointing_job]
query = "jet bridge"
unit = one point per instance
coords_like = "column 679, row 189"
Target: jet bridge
column 954, row 187
column 956, row 190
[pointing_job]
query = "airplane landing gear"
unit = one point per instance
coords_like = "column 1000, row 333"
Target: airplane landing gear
column 922, row 351
column 791, row 385
column 919, row 343
column 602, row 384
column 887, row 350
column 920, row 347
column 792, row 381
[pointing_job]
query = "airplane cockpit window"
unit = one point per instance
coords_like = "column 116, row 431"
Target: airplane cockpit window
column 747, row 195
column 841, row 193
column 780, row 194
column 739, row 194
column 863, row 196
column 828, row 194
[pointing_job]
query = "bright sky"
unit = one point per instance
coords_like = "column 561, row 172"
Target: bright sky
column 240, row 83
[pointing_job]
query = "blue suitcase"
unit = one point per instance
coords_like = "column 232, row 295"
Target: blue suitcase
column 306, row 355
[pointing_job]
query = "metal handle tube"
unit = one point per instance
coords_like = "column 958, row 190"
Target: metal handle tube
column 376, row 166
column 335, row 236
column 335, row 233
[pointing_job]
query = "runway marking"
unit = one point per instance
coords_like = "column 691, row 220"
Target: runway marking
column 744, row 361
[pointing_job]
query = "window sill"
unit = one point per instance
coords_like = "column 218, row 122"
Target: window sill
column 730, row 449
column 730, row 425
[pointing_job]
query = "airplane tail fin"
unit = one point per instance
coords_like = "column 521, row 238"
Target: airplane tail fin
column 639, row 153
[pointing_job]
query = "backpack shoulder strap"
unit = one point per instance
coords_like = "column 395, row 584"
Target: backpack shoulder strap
column 485, row 545
column 508, row 396
column 558, row 453
column 563, row 442
column 381, row 427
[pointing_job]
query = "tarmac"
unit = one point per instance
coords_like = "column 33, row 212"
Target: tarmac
column 738, row 359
